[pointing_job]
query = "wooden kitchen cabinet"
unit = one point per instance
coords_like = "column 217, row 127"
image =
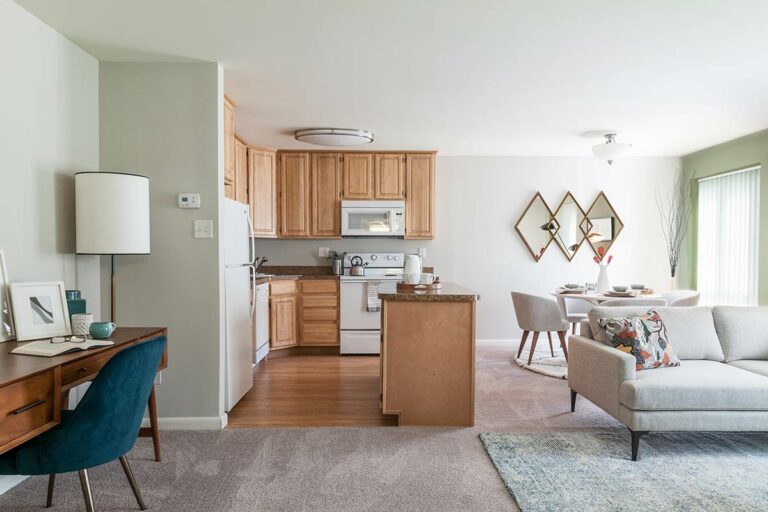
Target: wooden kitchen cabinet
column 241, row 171
column 293, row 186
column 389, row 176
column 420, row 196
column 229, row 140
column 283, row 315
column 325, row 186
column 262, row 191
column 358, row 176
column 319, row 312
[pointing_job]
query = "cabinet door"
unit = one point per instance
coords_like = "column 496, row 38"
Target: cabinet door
column 283, row 322
column 241, row 171
column 326, row 195
column 293, row 180
column 229, row 140
column 389, row 176
column 420, row 196
column 262, row 191
column 358, row 175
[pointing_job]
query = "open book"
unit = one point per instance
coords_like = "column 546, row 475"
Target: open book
column 45, row 348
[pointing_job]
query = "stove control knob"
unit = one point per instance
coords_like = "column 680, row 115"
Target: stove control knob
column 389, row 257
column 374, row 257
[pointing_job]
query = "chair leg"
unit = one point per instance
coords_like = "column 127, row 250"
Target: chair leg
column 51, row 482
column 132, row 481
column 152, row 404
column 636, row 441
column 533, row 346
column 573, row 400
column 522, row 343
column 561, row 335
column 86, row 485
column 551, row 350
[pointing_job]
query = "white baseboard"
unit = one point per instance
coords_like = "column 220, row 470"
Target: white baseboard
column 192, row 423
column 8, row 482
column 497, row 341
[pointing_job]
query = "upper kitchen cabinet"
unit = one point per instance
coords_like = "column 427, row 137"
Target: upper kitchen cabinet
column 325, row 187
column 262, row 191
column 389, row 176
column 358, row 176
column 241, row 171
column 420, row 196
column 229, row 140
column 293, row 186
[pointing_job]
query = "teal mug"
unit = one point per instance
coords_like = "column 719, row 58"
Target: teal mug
column 100, row 330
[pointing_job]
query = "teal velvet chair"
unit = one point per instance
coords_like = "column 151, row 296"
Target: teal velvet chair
column 103, row 427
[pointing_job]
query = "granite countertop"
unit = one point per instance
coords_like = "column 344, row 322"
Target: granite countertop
column 450, row 292
column 293, row 272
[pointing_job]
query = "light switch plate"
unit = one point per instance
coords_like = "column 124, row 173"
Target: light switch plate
column 189, row 200
column 203, row 229
column 422, row 252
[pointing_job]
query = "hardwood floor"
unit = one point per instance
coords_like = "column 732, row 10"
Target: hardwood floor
column 312, row 391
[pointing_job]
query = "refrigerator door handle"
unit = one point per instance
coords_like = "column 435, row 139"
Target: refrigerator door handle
column 253, row 289
column 252, row 242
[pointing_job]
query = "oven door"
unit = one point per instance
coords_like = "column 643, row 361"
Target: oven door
column 372, row 221
column 354, row 313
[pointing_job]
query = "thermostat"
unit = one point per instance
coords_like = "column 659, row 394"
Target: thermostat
column 189, row 200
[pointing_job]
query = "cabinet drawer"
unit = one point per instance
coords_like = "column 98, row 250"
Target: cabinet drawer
column 321, row 314
column 327, row 286
column 319, row 301
column 282, row 287
column 320, row 333
column 25, row 406
column 83, row 370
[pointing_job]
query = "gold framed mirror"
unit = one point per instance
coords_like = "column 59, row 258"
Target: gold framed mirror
column 601, row 226
column 535, row 226
column 567, row 226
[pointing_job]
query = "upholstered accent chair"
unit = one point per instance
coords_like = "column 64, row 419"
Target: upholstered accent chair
column 573, row 309
column 535, row 315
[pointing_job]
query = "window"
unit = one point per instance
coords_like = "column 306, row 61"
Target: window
column 728, row 218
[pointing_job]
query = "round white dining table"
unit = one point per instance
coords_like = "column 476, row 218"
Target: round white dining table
column 598, row 298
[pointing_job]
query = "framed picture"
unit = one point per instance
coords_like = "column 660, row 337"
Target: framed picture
column 6, row 311
column 40, row 310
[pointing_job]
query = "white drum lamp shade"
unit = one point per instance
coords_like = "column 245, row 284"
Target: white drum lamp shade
column 112, row 213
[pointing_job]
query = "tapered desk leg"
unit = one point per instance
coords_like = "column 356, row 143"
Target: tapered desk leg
column 153, row 424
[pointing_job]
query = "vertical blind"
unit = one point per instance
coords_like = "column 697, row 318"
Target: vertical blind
column 728, row 223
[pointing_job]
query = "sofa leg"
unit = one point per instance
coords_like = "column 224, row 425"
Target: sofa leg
column 636, row 435
column 573, row 400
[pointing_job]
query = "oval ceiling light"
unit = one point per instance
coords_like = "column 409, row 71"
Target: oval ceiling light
column 334, row 136
column 611, row 150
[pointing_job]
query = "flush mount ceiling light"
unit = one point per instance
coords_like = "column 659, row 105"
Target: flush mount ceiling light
column 334, row 136
column 611, row 150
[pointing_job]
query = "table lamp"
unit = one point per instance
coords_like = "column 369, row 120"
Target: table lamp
column 112, row 216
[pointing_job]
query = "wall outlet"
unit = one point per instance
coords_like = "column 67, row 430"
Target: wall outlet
column 203, row 229
column 422, row 252
column 189, row 200
column 323, row 252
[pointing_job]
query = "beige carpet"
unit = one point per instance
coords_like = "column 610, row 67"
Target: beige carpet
column 335, row 469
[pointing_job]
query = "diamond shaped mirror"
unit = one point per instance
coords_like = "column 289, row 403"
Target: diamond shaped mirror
column 568, row 220
column 535, row 226
column 601, row 226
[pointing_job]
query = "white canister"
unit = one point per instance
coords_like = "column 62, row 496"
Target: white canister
column 81, row 323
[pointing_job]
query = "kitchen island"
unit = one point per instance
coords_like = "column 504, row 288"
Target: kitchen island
column 428, row 355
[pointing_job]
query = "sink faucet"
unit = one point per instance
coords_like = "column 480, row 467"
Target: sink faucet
column 261, row 262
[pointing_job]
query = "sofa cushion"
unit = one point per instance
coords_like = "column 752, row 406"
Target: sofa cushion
column 751, row 365
column 691, row 330
column 696, row 385
column 743, row 331
column 644, row 337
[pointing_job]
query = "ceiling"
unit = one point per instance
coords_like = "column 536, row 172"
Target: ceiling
column 481, row 77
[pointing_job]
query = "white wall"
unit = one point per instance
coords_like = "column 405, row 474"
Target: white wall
column 479, row 200
column 49, row 129
column 163, row 120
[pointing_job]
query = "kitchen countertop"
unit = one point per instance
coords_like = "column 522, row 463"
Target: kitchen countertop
column 450, row 292
column 292, row 273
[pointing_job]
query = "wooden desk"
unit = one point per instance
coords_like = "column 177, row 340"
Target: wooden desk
column 31, row 387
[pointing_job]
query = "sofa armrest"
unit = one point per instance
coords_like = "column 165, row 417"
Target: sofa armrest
column 596, row 372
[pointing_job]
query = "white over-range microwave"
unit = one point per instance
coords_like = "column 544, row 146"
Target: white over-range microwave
column 373, row 218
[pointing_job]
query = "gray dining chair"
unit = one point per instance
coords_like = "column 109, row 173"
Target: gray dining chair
column 633, row 302
column 535, row 315
column 573, row 309
column 681, row 298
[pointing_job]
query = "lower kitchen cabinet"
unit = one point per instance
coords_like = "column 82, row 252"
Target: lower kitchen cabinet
column 319, row 312
column 283, row 314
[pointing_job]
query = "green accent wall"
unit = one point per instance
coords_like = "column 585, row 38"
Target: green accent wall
column 736, row 154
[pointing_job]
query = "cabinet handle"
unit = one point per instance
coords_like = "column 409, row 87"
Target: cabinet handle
column 27, row 407
column 82, row 371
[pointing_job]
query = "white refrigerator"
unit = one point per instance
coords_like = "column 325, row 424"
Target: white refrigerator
column 239, row 300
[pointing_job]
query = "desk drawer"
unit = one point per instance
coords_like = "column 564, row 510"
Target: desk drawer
column 84, row 369
column 25, row 406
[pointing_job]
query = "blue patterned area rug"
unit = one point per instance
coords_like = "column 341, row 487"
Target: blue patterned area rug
column 589, row 471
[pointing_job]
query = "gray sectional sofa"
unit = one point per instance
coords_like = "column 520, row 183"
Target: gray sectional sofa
column 720, row 385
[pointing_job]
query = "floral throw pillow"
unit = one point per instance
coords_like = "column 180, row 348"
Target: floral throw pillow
column 645, row 337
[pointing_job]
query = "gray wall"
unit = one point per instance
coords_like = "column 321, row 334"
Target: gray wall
column 163, row 120
column 479, row 200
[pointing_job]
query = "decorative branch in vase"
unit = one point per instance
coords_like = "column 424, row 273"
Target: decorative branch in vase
column 675, row 214
column 603, row 283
